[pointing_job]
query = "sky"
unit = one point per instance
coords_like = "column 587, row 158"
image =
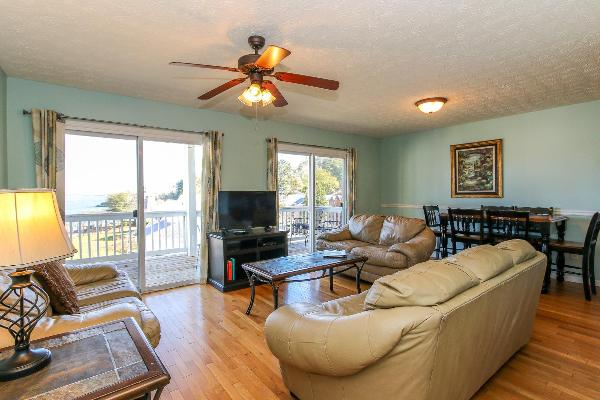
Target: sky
column 100, row 165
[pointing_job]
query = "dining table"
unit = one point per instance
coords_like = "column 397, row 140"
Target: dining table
column 538, row 223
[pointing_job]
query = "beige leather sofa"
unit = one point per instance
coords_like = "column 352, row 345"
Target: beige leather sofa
column 391, row 243
column 104, row 294
column 436, row 331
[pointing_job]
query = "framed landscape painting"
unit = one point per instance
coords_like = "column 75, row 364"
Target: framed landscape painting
column 477, row 169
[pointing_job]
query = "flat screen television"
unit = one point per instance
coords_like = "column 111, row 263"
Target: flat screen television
column 245, row 209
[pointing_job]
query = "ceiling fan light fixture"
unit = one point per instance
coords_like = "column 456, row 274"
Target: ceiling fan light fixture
column 244, row 101
column 266, row 97
column 431, row 105
column 253, row 94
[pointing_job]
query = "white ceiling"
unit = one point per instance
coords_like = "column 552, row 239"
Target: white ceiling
column 489, row 57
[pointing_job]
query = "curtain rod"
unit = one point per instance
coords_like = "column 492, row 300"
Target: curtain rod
column 63, row 117
column 311, row 145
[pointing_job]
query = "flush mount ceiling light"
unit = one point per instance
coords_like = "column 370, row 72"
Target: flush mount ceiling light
column 431, row 104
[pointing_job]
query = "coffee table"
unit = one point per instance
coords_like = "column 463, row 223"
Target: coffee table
column 110, row 361
column 279, row 270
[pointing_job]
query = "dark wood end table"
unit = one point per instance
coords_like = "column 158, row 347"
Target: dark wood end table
column 279, row 270
column 110, row 361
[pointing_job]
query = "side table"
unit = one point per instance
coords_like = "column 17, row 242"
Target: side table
column 110, row 361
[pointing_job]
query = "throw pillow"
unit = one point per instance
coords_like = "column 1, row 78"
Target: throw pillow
column 57, row 283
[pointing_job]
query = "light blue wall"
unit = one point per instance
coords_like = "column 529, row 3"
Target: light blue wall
column 244, row 149
column 3, row 178
column 551, row 158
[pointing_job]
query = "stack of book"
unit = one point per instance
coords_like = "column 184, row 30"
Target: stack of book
column 231, row 269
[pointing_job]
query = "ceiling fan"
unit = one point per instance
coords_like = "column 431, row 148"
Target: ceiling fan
column 256, row 67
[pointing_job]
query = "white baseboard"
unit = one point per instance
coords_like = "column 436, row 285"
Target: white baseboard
column 573, row 278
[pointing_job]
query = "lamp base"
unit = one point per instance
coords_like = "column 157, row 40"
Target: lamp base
column 24, row 362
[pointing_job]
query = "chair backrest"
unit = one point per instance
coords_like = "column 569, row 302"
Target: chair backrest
column 591, row 236
column 432, row 216
column 537, row 210
column 466, row 222
column 504, row 225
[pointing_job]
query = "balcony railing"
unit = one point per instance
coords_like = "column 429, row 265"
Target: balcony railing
column 296, row 220
column 114, row 235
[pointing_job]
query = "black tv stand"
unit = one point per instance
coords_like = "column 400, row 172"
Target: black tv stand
column 255, row 245
column 235, row 232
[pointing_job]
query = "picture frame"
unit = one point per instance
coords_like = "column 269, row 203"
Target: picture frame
column 477, row 169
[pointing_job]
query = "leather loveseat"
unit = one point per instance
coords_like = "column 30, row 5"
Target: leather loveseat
column 391, row 243
column 104, row 294
column 436, row 331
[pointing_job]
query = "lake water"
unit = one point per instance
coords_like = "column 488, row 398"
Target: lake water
column 84, row 204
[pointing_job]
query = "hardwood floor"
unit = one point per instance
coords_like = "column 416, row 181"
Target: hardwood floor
column 214, row 351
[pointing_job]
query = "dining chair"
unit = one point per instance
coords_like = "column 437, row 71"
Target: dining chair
column 587, row 250
column 535, row 232
column 507, row 224
column 433, row 221
column 466, row 227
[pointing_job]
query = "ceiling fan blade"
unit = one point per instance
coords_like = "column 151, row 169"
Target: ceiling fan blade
column 185, row 64
column 307, row 80
column 279, row 99
column 271, row 57
column 222, row 88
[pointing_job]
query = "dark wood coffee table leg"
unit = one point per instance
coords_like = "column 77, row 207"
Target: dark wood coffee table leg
column 158, row 393
column 252, row 292
column 331, row 279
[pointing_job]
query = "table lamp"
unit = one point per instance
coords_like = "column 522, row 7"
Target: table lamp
column 31, row 233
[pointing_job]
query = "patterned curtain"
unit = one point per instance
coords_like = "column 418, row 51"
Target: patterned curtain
column 272, row 163
column 49, row 152
column 351, row 180
column 211, row 184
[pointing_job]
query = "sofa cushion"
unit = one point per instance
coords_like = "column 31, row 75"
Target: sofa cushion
column 484, row 261
column 397, row 229
column 519, row 249
column 366, row 228
column 118, row 287
column 345, row 245
column 57, row 283
column 425, row 284
column 375, row 254
column 380, row 256
column 144, row 316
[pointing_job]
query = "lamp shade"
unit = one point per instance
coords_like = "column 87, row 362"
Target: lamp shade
column 31, row 229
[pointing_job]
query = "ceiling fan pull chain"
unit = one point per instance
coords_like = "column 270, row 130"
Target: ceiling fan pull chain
column 256, row 117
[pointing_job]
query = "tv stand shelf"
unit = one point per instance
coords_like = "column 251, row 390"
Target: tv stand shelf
column 243, row 248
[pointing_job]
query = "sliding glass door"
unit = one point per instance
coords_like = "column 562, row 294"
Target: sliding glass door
column 133, row 200
column 312, row 193
column 171, row 199
column 100, row 200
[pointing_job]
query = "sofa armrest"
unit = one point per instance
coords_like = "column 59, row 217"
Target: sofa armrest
column 89, row 273
column 313, row 340
column 49, row 326
column 417, row 249
column 336, row 235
